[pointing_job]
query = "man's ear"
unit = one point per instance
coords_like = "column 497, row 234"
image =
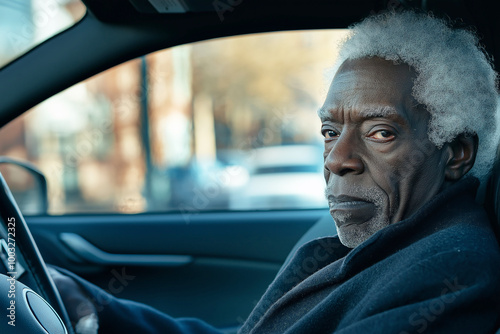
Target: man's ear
column 462, row 155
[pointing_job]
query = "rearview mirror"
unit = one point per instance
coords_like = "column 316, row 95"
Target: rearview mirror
column 28, row 185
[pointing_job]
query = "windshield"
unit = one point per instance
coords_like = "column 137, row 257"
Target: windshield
column 26, row 23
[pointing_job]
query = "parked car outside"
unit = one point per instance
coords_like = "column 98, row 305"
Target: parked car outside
column 282, row 177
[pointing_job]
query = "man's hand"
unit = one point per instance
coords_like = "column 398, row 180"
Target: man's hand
column 81, row 311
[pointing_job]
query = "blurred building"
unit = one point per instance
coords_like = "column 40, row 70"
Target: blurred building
column 170, row 131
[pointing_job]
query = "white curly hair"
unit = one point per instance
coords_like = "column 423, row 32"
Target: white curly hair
column 455, row 80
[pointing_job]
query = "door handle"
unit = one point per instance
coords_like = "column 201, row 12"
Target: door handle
column 94, row 255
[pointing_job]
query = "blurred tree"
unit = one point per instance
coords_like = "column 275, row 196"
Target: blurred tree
column 250, row 77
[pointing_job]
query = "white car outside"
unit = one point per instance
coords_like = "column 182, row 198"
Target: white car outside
column 288, row 176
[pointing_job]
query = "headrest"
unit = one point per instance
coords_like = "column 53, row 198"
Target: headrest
column 492, row 196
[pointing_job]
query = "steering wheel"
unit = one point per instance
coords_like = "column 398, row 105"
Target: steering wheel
column 32, row 300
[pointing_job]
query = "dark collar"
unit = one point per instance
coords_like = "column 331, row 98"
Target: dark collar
column 445, row 209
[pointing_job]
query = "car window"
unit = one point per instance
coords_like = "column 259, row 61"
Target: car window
column 225, row 124
column 27, row 23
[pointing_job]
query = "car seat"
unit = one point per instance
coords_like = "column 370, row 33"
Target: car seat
column 325, row 226
column 492, row 196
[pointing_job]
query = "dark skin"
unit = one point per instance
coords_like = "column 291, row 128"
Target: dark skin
column 379, row 164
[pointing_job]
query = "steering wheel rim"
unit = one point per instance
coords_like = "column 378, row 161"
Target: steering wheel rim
column 25, row 246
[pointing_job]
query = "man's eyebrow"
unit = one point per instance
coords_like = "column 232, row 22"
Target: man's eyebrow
column 370, row 112
column 379, row 111
column 324, row 114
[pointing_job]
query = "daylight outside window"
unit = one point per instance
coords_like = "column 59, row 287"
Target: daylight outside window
column 225, row 124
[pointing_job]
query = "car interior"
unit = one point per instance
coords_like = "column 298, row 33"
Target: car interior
column 209, row 264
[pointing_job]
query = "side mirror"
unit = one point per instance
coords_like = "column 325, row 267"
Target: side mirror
column 28, row 185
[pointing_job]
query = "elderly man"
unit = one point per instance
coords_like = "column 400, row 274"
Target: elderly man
column 409, row 123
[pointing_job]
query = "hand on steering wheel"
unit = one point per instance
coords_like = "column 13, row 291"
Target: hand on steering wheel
column 81, row 311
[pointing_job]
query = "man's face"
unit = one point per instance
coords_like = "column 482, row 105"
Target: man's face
column 380, row 166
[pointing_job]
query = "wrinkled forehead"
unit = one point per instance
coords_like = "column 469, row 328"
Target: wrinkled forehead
column 371, row 85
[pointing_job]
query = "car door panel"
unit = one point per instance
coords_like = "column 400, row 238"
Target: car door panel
column 226, row 260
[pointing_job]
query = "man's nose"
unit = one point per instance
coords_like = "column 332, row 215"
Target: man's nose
column 343, row 158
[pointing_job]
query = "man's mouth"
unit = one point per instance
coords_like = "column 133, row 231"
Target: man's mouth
column 350, row 210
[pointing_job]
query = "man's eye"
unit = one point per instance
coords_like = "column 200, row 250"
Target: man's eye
column 382, row 135
column 329, row 134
